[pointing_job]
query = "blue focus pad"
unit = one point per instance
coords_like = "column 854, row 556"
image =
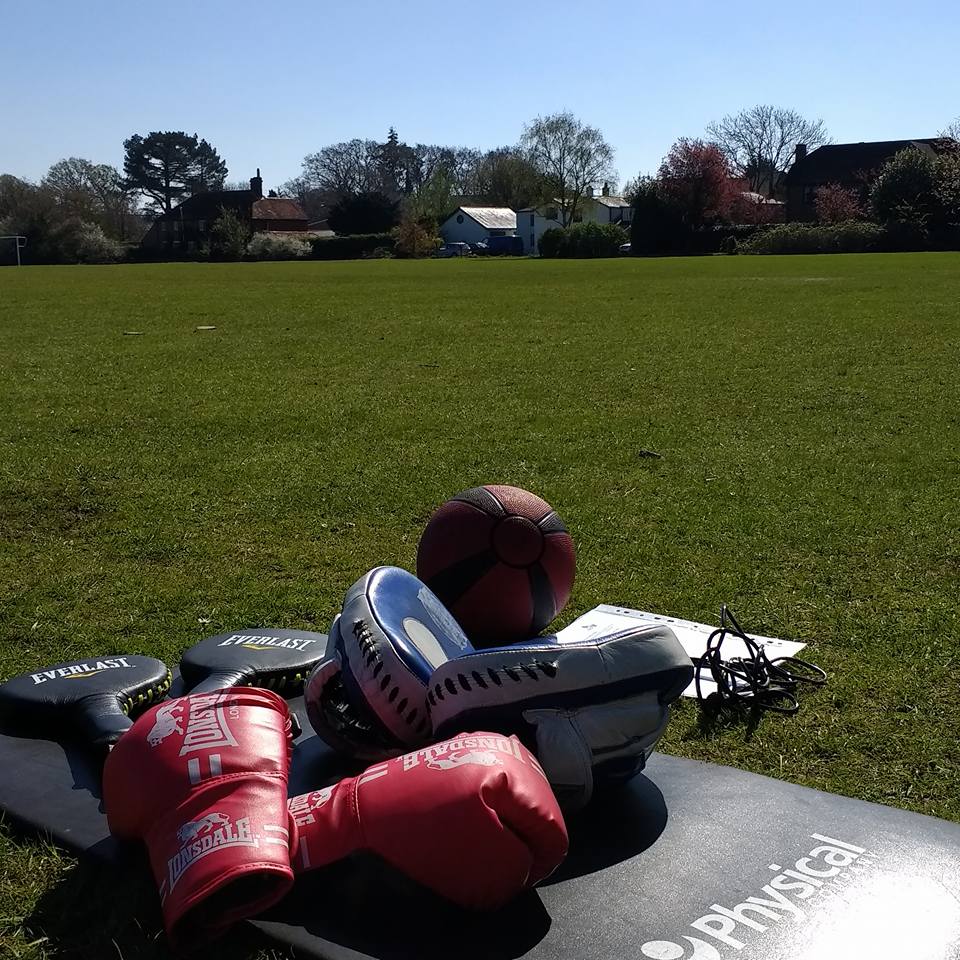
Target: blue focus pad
column 391, row 635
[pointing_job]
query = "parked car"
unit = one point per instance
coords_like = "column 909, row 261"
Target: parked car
column 625, row 249
column 454, row 250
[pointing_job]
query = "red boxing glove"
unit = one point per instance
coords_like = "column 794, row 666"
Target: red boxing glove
column 203, row 781
column 472, row 818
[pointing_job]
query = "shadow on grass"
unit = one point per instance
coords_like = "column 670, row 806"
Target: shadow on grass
column 102, row 911
column 717, row 718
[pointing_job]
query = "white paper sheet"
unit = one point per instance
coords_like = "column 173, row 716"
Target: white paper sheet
column 692, row 635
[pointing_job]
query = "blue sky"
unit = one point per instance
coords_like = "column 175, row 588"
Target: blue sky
column 267, row 83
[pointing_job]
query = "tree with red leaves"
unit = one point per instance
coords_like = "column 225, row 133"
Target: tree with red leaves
column 835, row 204
column 696, row 177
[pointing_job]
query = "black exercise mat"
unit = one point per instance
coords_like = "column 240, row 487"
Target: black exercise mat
column 692, row 860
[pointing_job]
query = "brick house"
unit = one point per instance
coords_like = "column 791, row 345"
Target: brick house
column 852, row 165
column 188, row 224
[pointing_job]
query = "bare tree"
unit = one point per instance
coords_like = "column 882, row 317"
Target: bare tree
column 507, row 178
column 344, row 168
column 570, row 156
column 760, row 142
column 952, row 130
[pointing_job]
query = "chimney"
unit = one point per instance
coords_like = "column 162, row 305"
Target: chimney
column 588, row 192
column 606, row 189
column 801, row 152
column 256, row 186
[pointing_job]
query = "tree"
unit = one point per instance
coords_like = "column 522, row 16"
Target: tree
column 363, row 213
column 95, row 192
column 343, row 168
column 947, row 186
column 904, row 188
column 229, row 236
column 835, row 203
column 414, row 239
column 398, row 166
column 54, row 233
column 760, row 142
column 434, row 200
column 168, row 166
column 507, row 178
column 952, row 130
column 657, row 225
column 695, row 178
column 570, row 156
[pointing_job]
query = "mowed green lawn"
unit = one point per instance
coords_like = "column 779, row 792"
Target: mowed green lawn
column 159, row 488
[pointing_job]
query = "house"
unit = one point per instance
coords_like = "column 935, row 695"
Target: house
column 473, row 224
column 533, row 222
column 188, row 224
column 751, row 207
column 851, row 165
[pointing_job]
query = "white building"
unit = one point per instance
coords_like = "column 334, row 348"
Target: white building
column 473, row 224
column 604, row 207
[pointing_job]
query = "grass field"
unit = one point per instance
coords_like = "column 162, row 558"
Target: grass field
column 156, row 489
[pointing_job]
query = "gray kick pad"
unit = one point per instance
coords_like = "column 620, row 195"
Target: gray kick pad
column 690, row 861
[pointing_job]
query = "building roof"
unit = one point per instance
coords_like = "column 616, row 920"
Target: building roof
column 493, row 218
column 838, row 161
column 610, row 201
column 751, row 197
column 207, row 206
column 277, row 208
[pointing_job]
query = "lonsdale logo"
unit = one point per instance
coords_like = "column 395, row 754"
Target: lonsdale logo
column 253, row 642
column 206, row 725
column 80, row 671
column 784, row 896
column 215, row 831
column 466, row 750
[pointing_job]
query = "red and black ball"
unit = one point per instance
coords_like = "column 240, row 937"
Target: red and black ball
column 501, row 560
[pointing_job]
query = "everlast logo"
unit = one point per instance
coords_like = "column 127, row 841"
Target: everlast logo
column 214, row 832
column 482, row 750
column 207, row 724
column 253, row 642
column 78, row 671
column 785, row 895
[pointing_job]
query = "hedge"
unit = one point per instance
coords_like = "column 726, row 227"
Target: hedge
column 353, row 247
column 583, row 240
column 851, row 236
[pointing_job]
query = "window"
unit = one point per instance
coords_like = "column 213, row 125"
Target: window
column 201, row 225
column 627, row 214
column 808, row 195
column 459, row 218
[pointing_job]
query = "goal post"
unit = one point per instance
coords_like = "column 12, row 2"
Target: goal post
column 19, row 242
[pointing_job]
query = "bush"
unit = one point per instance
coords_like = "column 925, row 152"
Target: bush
column 352, row 248
column 87, row 243
column 852, row 236
column 583, row 240
column 728, row 245
column 278, row 246
column 229, row 236
column 835, row 203
column 551, row 242
column 416, row 239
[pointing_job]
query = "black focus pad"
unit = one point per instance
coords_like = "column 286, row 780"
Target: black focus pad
column 90, row 700
column 257, row 657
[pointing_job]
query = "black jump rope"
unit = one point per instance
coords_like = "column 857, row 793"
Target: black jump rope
column 753, row 682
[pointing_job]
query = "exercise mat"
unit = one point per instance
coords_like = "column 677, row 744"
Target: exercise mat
column 690, row 860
